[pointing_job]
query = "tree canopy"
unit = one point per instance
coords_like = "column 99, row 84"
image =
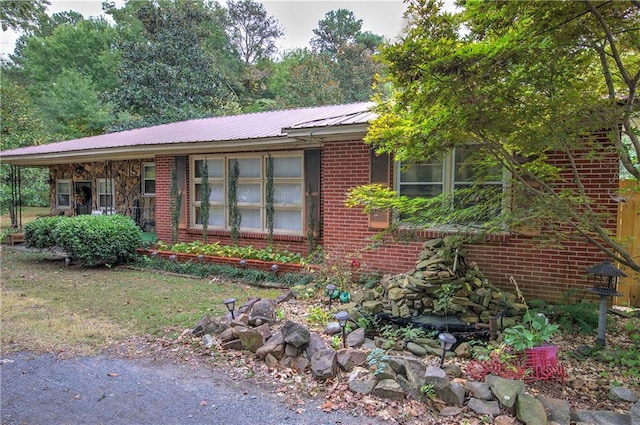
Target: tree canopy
column 252, row 32
column 518, row 81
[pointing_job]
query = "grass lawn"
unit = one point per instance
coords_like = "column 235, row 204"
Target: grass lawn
column 28, row 214
column 47, row 307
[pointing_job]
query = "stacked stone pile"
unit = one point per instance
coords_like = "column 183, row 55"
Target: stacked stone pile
column 444, row 283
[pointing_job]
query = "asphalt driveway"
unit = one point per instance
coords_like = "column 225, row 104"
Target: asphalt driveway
column 43, row 389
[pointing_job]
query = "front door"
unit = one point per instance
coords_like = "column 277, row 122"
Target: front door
column 82, row 196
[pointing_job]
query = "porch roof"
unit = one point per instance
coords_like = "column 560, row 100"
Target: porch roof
column 236, row 132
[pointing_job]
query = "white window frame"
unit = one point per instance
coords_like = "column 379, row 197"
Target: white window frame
column 260, row 180
column 448, row 180
column 144, row 179
column 109, row 209
column 58, row 193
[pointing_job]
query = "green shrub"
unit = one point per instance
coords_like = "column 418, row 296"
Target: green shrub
column 583, row 316
column 98, row 239
column 40, row 233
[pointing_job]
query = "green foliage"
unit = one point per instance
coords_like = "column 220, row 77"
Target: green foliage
column 21, row 15
column 583, row 316
column 336, row 342
column 175, row 202
column 205, row 193
column 253, row 32
column 318, row 315
column 428, row 392
column 515, row 90
column 411, row 333
column 278, row 255
column 235, row 217
column 269, row 210
column 534, row 331
column 376, row 358
column 40, row 233
column 89, row 239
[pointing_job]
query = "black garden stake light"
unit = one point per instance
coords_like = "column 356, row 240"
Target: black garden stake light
column 242, row 263
column 342, row 317
column 446, row 342
column 230, row 304
column 330, row 290
column 605, row 284
column 274, row 269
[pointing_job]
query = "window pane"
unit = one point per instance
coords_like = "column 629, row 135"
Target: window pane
column 428, row 172
column 215, row 168
column 287, row 167
column 216, row 195
column 63, row 187
column 421, row 190
column 249, row 167
column 150, row 186
column 149, row 171
column 287, row 220
column 64, row 200
column 287, row 194
column 249, row 193
column 250, row 218
column 216, row 216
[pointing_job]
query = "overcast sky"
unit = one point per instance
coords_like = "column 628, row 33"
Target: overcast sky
column 298, row 17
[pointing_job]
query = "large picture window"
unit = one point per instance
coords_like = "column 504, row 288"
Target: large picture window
column 448, row 175
column 251, row 189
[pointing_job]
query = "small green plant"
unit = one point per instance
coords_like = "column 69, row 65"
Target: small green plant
column 336, row 342
column 411, row 333
column 280, row 314
column 318, row 315
column 427, row 392
column 375, row 358
column 534, row 331
column 582, row 316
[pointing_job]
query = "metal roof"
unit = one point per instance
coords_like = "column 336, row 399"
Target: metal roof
column 246, row 129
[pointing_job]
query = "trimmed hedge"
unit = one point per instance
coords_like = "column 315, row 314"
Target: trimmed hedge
column 90, row 240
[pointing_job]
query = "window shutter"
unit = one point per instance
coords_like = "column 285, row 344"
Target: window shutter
column 380, row 174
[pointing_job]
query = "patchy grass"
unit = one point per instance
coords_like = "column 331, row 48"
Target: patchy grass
column 28, row 214
column 47, row 307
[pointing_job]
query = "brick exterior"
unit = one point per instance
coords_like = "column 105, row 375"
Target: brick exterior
column 546, row 273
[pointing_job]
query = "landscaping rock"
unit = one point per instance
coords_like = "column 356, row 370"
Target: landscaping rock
column 384, row 371
column 207, row 340
column 416, row 349
column 345, row 362
column 388, row 388
column 333, row 328
column 623, row 394
column 452, row 370
column 316, row 343
column 463, row 350
column 274, row 346
column 479, row 390
column 250, row 338
column 324, row 364
column 295, row 334
column 505, row 390
column 600, row 417
column 634, row 413
column 557, row 410
column 234, row 344
column 199, row 329
column 450, row 411
column 358, row 357
column 484, row 407
column 530, row 410
column 451, row 394
column 364, row 386
column 356, row 338
column 263, row 311
column 436, row 377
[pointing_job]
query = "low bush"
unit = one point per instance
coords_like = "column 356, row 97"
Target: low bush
column 90, row 240
column 40, row 233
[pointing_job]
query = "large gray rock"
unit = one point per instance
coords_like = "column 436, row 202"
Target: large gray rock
column 273, row 346
column 451, row 394
column 530, row 410
column 262, row 311
column 416, row 349
column 388, row 388
column 436, row 376
column 316, row 343
column 295, row 334
column 634, row 412
column 384, row 371
column 600, row 417
column 484, row 407
column 251, row 339
column 364, row 386
column 333, row 328
column 623, row 394
column 324, row 364
column 557, row 410
column 505, row 390
column 479, row 390
column 355, row 339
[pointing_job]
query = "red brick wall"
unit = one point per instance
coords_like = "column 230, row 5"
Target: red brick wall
column 541, row 273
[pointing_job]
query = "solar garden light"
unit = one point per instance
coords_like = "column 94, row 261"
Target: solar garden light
column 605, row 284
column 330, row 289
column 230, row 304
column 201, row 258
column 274, row 269
column 342, row 317
column 446, row 342
column 242, row 263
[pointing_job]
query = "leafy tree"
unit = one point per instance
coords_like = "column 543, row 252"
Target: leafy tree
column 252, row 32
column 169, row 72
column 21, row 14
column 521, row 82
column 338, row 29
